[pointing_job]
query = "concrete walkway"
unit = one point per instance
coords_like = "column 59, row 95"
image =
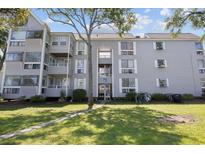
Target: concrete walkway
column 45, row 124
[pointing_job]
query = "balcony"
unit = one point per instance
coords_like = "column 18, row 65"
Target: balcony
column 57, row 68
column 104, row 79
column 54, row 90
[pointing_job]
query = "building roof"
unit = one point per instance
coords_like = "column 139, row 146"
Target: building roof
column 102, row 36
column 170, row 36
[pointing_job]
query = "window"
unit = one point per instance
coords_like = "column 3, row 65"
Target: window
column 127, row 66
column 162, row 83
column 14, row 56
column 54, row 43
column 127, row 48
column 30, row 80
column 80, row 66
column 18, row 35
column 160, row 63
column 81, row 48
column 63, row 43
column 201, row 65
column 79, row 83
column 127, row 85
column 32, row 56
column 59, row 40
column 11, row 90
column 104, row 54
column 12, row 80
column 31, row 66
column 17, row 43
column 34, row 34
column 198, row 46
column 202, row 81
column 159, row 45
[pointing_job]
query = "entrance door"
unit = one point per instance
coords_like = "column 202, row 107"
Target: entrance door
column 104, row 91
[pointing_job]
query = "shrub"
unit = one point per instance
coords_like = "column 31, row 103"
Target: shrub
column 79, row 95
column 37, row 99
column 130, row 96
column 159, row 97
column 187, row 97
column 62, row 94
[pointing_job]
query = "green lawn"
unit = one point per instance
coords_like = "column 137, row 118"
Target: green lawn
column 118, row 124
column 20, row 116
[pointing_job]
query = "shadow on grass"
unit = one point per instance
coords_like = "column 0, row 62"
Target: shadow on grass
column 137, row 125
column 14, row 106
column 18, row 122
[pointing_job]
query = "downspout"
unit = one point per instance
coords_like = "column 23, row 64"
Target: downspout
column 42, row 61
column 4, row 65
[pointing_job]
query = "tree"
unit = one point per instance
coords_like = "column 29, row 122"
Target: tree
column 181, row 17
column 87, row 20
column 10, row 18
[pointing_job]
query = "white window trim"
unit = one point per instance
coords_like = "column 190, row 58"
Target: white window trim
column 120, row 50
column 158, row 85
column 121, row 88
column 156, row 63
column 75, row 83
column 77, row 49
column 120, row 66
column 155, row 46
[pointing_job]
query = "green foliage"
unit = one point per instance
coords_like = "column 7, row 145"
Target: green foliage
column 181, row 17
column 187, row 97
column 130, row 96
column 62, row 94
column 158, row 97
column 37, row 99
column 11, row 18
column 79, row 95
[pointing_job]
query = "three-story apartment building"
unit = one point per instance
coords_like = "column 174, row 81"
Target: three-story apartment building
column 41, row 62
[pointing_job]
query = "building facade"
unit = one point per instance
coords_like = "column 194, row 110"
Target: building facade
column 41, row 62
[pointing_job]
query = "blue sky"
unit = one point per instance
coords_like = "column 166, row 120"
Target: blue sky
column 149, row 20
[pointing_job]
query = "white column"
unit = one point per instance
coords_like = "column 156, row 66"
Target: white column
column 4, row 65
column 113, row 84
column 67, row 67
column 42, row 61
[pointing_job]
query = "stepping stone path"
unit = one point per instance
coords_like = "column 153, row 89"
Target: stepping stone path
column 32, row 128
column 178, row 119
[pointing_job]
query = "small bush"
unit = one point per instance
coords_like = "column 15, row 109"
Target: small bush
column 130, row 96
column 62, row 94
column 159, row 97
column 37, row 99
column 79, row 95
column 187, row 97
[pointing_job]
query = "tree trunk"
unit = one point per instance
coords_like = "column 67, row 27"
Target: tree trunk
column 90, row 75
column 2, row 58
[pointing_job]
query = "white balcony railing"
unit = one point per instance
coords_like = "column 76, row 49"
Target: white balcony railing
column 57, row 86
column 58, row 64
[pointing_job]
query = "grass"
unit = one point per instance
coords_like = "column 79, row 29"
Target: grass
column 122, row 124
column 14, row 117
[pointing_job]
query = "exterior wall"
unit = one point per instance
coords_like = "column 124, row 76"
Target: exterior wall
column 181, row 71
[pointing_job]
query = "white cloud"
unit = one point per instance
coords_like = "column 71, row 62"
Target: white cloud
column 165, row 12
column 142, row 21
column 162, row 24
column 147, row 10
column 48, row 21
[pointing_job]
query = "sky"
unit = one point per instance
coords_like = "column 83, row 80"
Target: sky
column 149, row 21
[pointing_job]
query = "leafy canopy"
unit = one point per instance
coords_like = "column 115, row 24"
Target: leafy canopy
column 91, row 18
column 181, row 17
